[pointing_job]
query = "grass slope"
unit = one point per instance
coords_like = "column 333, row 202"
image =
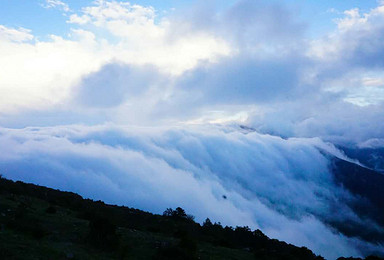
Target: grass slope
column 42, row 223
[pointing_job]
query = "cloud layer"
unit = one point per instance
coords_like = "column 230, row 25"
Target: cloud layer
column 251, row 61
column 283, row 187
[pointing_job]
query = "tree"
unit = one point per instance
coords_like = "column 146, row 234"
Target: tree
column 178, row 213
column 168, row 212
column 207, row 223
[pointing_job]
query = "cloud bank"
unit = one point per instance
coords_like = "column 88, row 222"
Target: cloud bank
column 283, row 187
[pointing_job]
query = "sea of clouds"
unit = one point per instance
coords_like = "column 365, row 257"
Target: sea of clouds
column 233, row 176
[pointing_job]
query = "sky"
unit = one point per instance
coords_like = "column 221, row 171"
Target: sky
column 257, row 63
column 150, row 94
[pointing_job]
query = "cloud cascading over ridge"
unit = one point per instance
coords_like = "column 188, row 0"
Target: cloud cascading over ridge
column 282, row 186
column 147, row 85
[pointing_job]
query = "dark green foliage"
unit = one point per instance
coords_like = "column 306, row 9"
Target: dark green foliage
column 51, row 210
column 371, row 257
column 185, row 249
column 94, row 228
column 23, row 221
column 178, row 213
column 173, row 252
column 102, row 233
column 207, row 223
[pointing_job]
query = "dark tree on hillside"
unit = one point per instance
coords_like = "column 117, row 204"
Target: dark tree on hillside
column 178, row 213
column 207, row 223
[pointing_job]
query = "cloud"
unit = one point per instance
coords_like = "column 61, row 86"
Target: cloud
column 337, row 121
column 354, row 45
column 114, row 84
column 342, row 80
column 242, row 80
column 282, row 186
column 15, row 35
column 265, row 25
column 259, row 27
column 56, row 4
column 110, row 13
column 251, row 61
column 52, row 69
column 144, row 38
column 49, row 70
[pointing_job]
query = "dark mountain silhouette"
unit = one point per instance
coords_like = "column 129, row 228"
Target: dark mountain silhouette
column 370, row 157
column 366, row 186
column 41, row 223
column 363, row 182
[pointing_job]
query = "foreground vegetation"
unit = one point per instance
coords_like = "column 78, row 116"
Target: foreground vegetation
column 42, row 223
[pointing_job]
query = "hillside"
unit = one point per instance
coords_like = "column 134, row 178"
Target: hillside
column 43, row 223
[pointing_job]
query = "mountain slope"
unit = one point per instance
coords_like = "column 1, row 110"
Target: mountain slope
column 367, row 188
column 42, row 223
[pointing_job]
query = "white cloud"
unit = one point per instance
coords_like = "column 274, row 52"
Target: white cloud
column 373, row 82
column 83, row 19
column 52, row 68
column 143, row 40
column 352, row 19
column 41, row 74
column 210, row 66
column 15, row 35
column 56, row 4
column 104, row 12
column 342, row 84
column 355, row 42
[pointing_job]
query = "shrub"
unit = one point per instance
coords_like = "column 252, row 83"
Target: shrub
column 102, row 234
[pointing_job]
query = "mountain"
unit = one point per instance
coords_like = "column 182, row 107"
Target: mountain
column 366, row 186
column 43, row 223
column 372, row 157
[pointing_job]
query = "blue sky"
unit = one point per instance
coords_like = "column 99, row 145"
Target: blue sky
column 30, row 13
